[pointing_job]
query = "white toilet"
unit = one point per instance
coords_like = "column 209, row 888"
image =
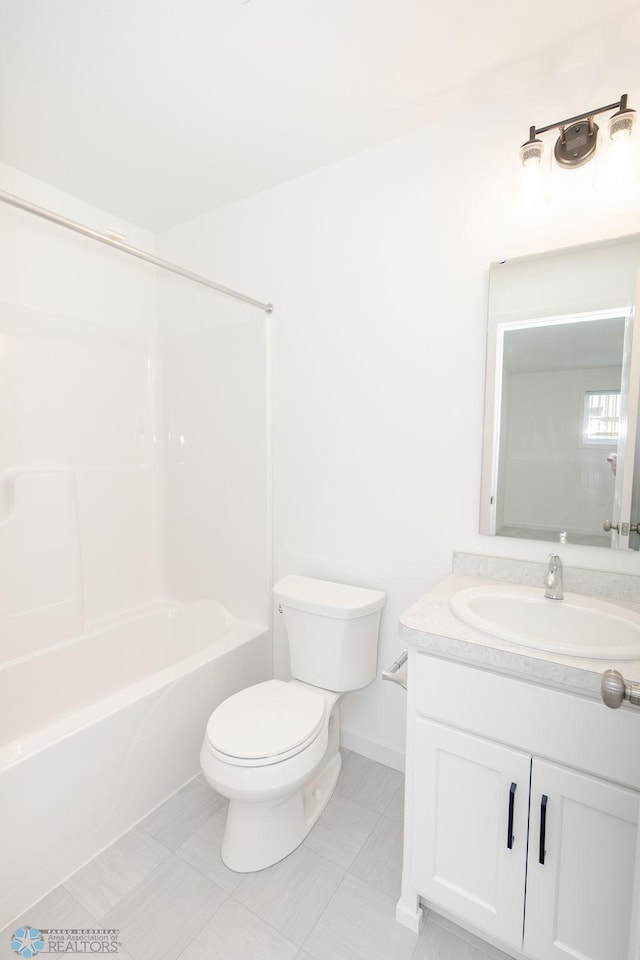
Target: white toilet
column 273, row 749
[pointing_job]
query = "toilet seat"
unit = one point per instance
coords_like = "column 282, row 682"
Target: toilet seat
column 265, row 724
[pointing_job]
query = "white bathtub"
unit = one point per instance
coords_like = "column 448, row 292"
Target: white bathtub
column 97, row 731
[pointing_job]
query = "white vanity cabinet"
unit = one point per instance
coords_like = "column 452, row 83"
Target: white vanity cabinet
column 464, row 789
column 523, row 805
column 580, row 873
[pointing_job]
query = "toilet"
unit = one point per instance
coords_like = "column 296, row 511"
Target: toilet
column 274, row 748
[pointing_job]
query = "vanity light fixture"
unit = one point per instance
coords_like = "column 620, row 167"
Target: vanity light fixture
column 576, row 144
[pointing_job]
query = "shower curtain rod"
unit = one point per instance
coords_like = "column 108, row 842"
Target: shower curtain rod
column 112, row 241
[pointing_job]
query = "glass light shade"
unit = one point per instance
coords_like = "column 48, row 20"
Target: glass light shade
column 618, row 155
column 531, row 153
column 534, row 186
column 621, row 124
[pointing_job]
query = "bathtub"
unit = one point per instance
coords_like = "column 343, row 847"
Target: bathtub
column 97, row 731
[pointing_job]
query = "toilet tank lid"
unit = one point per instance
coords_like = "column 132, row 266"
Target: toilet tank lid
column 326, row 598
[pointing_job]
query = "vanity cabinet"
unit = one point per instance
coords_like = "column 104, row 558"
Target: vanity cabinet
column 581, row 863
column 523, row 808
column 466, row 792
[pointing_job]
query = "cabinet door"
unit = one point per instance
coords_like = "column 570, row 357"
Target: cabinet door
column 467, row 791
column 580, row 878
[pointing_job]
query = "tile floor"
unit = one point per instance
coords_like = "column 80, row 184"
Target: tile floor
column 164, row 886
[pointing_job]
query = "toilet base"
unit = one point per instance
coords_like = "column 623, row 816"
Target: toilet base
column 257, row 835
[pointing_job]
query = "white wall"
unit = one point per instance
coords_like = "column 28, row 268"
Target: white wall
column 79, row 535
column 378, row 269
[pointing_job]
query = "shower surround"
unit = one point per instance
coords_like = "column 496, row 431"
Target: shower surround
column 134, row 530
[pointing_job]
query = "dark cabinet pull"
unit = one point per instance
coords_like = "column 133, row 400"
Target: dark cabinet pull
column 512, row 799
column 543, row 827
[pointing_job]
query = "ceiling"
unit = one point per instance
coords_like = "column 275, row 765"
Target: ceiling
column 160, row 110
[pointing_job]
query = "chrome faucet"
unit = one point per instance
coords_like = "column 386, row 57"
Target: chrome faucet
column 553, row 579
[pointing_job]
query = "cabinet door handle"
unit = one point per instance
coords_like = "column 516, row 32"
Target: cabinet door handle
column 512, row 800
column 543, row 827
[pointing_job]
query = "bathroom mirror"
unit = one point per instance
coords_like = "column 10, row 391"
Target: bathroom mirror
column 561, row 453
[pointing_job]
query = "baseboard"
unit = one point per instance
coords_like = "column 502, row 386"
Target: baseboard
column 373, row 749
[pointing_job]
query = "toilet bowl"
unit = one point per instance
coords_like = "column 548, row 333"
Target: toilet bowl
column 274, row 748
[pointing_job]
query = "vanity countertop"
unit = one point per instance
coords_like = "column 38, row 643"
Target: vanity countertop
column 431, row 626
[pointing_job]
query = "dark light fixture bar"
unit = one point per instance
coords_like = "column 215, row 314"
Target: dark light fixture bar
column 577, row 141
column 621, row 103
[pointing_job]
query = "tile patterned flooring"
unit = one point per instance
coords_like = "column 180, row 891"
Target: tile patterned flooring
column 164, row 886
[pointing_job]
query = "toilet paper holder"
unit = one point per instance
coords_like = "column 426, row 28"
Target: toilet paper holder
column 394, row 674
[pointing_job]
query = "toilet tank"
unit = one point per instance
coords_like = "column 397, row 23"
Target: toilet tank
column 332, row 630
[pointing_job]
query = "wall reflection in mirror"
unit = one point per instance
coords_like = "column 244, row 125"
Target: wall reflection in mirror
column 561, row 404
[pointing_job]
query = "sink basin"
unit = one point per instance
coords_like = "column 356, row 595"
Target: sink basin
column 576, row 626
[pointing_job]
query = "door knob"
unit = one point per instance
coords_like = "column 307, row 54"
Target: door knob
column 614, row 690
column 623, row 528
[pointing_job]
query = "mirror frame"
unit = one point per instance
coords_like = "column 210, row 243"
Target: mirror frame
column 588, row 305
